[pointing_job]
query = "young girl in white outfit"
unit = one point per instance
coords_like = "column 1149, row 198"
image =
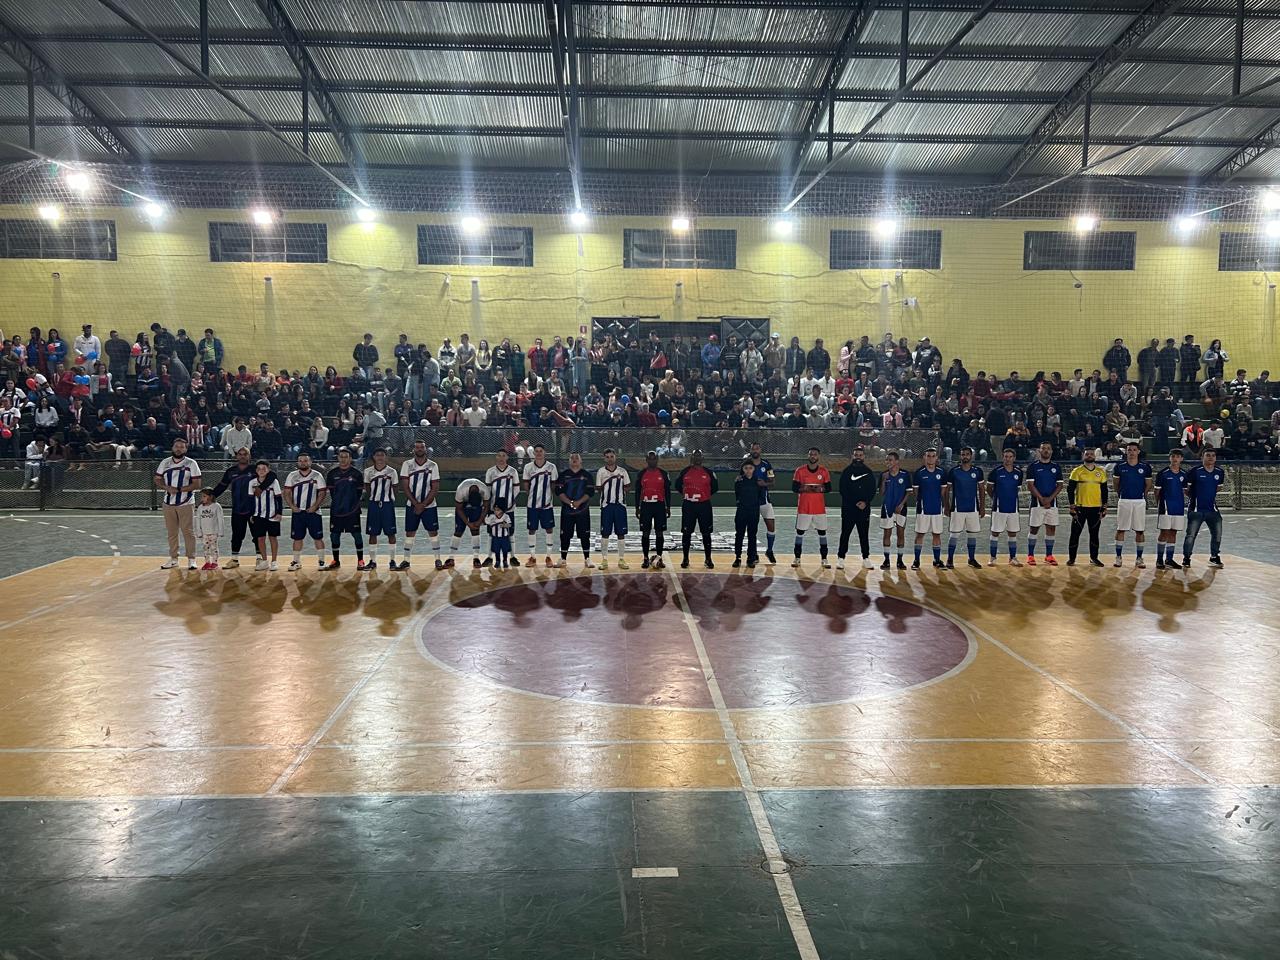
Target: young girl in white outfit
column 208, row 528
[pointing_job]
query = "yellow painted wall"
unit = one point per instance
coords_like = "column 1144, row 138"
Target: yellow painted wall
column 981, row 305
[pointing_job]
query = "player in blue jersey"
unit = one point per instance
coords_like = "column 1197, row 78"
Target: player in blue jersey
column 967, row 507
column 1003, row 484
column 930, row 483
column 1044, row 482
column 1132, row 478
column 1203, row 484
column 380, row 482
column 612, row 483
column 1171, row 510
column 420, row 480
column 764, row 473
column 895, row 485
column 346, row 485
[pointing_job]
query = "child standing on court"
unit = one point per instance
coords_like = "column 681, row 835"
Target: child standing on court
column 208, row 528
column 748, row 493
column 499, row 524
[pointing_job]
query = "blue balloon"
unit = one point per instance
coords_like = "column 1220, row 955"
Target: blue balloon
column 625, row 398
column 91, row 355
column 81, row 379
column 664, row 414
column 108, row 424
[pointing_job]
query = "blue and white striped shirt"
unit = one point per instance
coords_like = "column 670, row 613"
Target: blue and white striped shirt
column 612, row 485
column 420, row 476
column 305, row 488
column 504, row 484
column 178, row 474
column 540, row 479
column 381, row 484
column 268, row 500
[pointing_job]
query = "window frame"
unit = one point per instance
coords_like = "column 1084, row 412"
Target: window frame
column 448, row 236
column 1257, row 241
column 679, row 251
column 269, row 244
column 927, row 240
column 58, row 240
column 1097, row 263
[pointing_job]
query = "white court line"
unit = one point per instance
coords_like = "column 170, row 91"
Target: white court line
column 764, row 829
column 76, row 599
column 42, row 566
column 654, row 873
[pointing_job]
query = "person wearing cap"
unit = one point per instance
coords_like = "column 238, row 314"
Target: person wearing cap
column 774, row 355
column 1087, row 494
column 711, row 355
column 857, row 489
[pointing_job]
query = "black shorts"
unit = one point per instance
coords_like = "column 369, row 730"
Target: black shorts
column 654, row 514
column 345, row 524
column 261, row 527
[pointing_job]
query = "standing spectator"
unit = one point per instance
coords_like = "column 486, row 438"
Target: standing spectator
column 210, row 352
column 1189, row 356
column 795, row 361
column 465, row 355
column 117, row 351
column 774, row 356
column 711, row 355
column 537, row 359
column 1167, row 362
column 818, row 359
column 179, row 477
column 1117, row 360
column 163, row 341
column 1160, row 411
column 1215, row 360
column 184, row 348
column 87, row 344
column 404, row 354
column 1214, row 436
column 365, row 355
column 1148, row 363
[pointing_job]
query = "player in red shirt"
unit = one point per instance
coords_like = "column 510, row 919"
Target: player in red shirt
column 812, row 482
column 653, row 506
column 698, row 485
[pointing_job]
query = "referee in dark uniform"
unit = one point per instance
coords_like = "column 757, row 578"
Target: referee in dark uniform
column 858, row 487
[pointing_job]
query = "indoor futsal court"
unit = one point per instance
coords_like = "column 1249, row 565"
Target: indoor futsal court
column 317, row 315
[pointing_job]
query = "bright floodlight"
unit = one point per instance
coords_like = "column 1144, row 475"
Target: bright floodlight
column 262, row 217
column 1187, row 224
column 471, row 224
column 366, row 214
column 783, row 227
column 1272, row 229
column 50, row 212
column 884, row 229
column 579, row 218
column 679, row 224
column 1085, row 222
column 154, row 210
column 1270, row 200
column 79, row 182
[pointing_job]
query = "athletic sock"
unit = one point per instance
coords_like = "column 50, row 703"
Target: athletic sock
column 822, row 545
column 937, row 553
column 335, row 555
column 917, row 553
column 297, row 556
column 435, row 544
column 1119, row 550
column 799, row 542
column 1048, row 547
column 320, row 552
column 1031, row 546
column 1013, row 549
column 973, row 548
column 373, row 553
column 1138, row 550
column 886, row 556
column 951, row 550
column 454, row 543
column 475, row 544
column 995, row 547
column 771, row 537
column 408, row 547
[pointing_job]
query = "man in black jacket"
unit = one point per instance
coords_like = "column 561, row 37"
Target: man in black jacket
column 819, row 359
column 1117, row 360
column 1148, row 360
column 857, row 489
column 1167, row 362
column 1189, row 356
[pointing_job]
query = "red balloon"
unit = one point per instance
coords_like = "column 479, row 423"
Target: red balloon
column 6, row 433
column 80, row 390
column 31, row 383
column 136, row 349
column 53, row 348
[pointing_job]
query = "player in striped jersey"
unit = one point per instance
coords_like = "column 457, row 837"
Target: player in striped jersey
column 268, row 504
column 540, row 479
column 613, row 482
column 305, row 491
column 470, row 506
column 503, row 481
column 381, row 481
column 420, row 477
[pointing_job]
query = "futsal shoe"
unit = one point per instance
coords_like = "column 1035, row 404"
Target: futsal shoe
column 737, row 562
column 332, row 565
column 488, row 562
column 708, row 564
column 274, row 566
column 1096, row 562
column 949, row 565
column 231, row 564
column 840, row 563
column 1159, row 564
column 751, row 564
column 475, row 563
column 1118, row 563
column 260, row 564
column 404, row 565
column 915, row 564
column 795, row 562
column 531, row 562
column 868, row 563
column 975, row 564
column 885, row 565
column 684, row 564
column 604, row 563
column 209, row 566
column 513, row 561
column 1031, row 561
column 191, row 564
column 659, row 563
column 644, row 564
column 991, row 562
column 1140, row 564
column 902, row 564
column 1051, row 560
column 623, row 565
column 449, row 563
column 768, row 555
column 939, row 565
column 371, row 565
column 169, row 565
column 440, row 564
column 590, row 564
column 563, row 563
column 294, row 566
column 1216, row 562
column 826, row 564
column 547, row 561
column 1015, row 562
column 1172, row 564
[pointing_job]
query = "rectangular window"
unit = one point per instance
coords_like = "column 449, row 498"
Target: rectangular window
column 277, row 243
column 1247, row 251
column 58, row 240
column 1072, row 250
column 693, row 249
column 904, row 250
column 494, row 247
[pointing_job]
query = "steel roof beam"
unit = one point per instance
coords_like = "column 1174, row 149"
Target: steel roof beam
column 314, row 82
column 39, row 70
column 1231, row 167
column 1125, row 42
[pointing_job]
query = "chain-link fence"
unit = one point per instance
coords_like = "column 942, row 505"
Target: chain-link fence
column 103, row 486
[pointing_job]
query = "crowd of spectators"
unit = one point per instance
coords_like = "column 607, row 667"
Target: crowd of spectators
column 119, row 399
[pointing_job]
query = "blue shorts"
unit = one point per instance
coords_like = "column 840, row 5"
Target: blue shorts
column 472, row 514
column 305, row 525
column 544, row 518
column 380, row 519
column 613, row 520
column 429, row 518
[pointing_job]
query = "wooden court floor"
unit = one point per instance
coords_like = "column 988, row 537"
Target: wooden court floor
column 770, row 725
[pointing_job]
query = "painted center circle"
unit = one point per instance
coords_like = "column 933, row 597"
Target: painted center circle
column 625, row 640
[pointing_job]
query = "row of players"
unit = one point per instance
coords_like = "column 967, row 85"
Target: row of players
column 960, row 495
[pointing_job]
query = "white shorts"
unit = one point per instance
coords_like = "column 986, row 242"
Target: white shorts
column 893, row 520
column 1004, row 523
column 806, row 520
column 1131, row 515
column 766, row 511
column 1043, row 516
column 928, row 523
column 965, row 522
column 1170, row 521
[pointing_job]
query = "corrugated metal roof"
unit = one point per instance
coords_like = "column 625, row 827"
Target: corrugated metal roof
column 696, row 115
column 408, row 19
column 1165, row 162
column 428, row 66
column 197, row 104
column 463, row 151
column 710, row 24
column 1168, row 78
column 371, row 108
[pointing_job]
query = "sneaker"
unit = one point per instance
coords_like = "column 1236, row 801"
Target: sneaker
column 404, row 564
column 659, row 563
column 191, row 564
column 975, row 564
column 294, row 565
column 440, row 564
column 168, row 564
column 449, row 563
column 623, row 565
column 590, row 564
column 826, row 564
column 274, row 566
column 475, row 563
column 644, row 564
column 604, row 562
column 513, row 561
column 1140, row 564
column 737, row 562
column 208, row 566
column 707, row 564
column 1071, row 563
column 562, row 563
column 684, row 564
column 231, row 564
column 751, row 563
column 361, row 565
column 488, row 562
column 259, row 564
column 1172, row 565
column 1216, row 562
column 840, row 563
column 333, row 565
column 531, row 562
column 949, row 565
column 1031, row 561
column 1015, row 562
column 373, row 565
column 1051, row 560
column 991, row 562
column 939, row 565
column 902, row 564
column 1118, row 563
column 868, row 564
column 1095, row 562
column 1159, row 564
column 795, row 562
column 768, row 555
column 915, row 564
column 885, row 565
column 547, row 560
column 1186, row 563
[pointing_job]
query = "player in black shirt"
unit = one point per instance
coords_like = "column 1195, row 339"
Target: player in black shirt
column 574, row 489
column 346, row 485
